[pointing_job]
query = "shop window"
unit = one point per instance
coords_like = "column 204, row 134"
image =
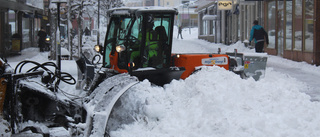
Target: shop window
column 205, row 27
column 288, row 39
column 272, row 24
column 201, row 23
column 309, row 11
column 213, row 28
column 25, row 30
column 37, row 27
column 280, row 27
column 298, row 25
column 12, row 21
column 210, row 22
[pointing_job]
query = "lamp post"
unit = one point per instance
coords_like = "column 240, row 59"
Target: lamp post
column 189, row 18
column 98, row 35
column 58, row 46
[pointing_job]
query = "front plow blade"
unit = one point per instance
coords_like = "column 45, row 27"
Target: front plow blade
column 255, row 65
column 102, row 100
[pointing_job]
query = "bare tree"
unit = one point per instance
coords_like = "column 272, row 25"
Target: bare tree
column 77, row 10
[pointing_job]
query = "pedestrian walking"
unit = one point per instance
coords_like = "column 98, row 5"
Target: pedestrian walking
column 42, row 39
column 87, row 32
column 179, row 32
column 259, row 35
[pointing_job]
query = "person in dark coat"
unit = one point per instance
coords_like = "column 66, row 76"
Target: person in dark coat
column 179, row 32
column 42, row 39
column 259, row 35
column 87, row 32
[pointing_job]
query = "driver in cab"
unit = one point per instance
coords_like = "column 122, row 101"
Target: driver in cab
column 150, row 46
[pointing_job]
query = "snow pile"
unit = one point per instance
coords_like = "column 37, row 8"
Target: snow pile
column 216, row 102
column 5, row 130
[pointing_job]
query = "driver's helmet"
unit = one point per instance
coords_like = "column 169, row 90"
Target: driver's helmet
column 150, row 21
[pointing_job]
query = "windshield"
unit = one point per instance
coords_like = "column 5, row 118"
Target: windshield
column 118, row 34
column 155, row 45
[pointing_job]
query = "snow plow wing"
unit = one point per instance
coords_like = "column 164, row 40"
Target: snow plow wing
column 255, row 65
column 249, row 64
column 101, row 101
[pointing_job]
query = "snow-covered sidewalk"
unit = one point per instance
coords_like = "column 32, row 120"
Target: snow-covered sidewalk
column 301, row 71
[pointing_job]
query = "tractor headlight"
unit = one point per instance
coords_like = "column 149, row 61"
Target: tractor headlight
column 176, row 56
column 131, row 65
column 97, row 48
column 120, row 48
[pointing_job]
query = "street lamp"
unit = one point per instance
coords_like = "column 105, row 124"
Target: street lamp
column 58, row 45
column 98, row 35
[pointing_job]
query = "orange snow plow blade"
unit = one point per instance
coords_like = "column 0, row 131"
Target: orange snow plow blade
column 191, row 61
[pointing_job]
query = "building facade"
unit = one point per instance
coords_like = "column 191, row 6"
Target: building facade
column 20, row 20
column 187, row 17
column 291, row 25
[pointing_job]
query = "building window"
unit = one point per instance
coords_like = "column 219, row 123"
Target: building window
column 205, row 27
column 280, row 27
column 298, row 25
column 25, row 30
column 308, row 30
column 211, row 22
column 12, row 21
column 200, row 23
column 288, row 39
column 272, row 24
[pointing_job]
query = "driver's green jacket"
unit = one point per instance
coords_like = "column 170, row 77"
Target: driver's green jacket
column 151, row 47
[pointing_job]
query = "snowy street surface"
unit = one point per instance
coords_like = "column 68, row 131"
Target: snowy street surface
column 214, row 102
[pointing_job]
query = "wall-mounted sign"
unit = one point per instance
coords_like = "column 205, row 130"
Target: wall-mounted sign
column 225, row 5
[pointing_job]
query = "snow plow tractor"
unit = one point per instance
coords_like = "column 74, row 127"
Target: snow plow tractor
column 137, row 47
column 139, row 42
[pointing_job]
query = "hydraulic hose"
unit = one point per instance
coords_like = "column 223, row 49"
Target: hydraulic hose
column 56, row 76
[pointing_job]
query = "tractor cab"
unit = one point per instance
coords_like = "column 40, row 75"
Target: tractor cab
column 139, row 41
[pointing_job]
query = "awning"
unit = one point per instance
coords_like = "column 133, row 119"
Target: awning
column 209, row 17
column 26, row 15
column 30, row 15
column 20, row 6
